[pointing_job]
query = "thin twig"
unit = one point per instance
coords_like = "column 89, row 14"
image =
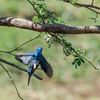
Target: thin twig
column 93, row 10
column 88, row 61
column 92, row 2
column 19, row 47
column 83, row 5
column 94, row 18
column 92, row 59
column 90, row 7
column 7, row 52
column 12, row 81
column 36, row 10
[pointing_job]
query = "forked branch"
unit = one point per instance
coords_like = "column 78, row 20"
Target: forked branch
column 90, row 6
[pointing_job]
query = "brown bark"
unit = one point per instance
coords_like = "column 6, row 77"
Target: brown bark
column 55, row 28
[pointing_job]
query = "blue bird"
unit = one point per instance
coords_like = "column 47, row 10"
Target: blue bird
column 35, row 59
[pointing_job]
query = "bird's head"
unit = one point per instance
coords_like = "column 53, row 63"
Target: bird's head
column 39, row 49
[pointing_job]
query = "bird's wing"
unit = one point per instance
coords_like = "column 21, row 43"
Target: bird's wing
column 25, row 58
column 45, row 65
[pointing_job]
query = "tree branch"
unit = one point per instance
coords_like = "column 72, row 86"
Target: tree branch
column 84, row 5
column 18, row 67
column 55, row 28
column 91, row 7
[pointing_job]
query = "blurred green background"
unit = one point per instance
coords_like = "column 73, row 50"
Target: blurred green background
column 67, row 83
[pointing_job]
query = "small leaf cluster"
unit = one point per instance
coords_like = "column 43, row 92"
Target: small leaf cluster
column 78, row 61
column 43, row 13
column 48, row 16
column 69, row 50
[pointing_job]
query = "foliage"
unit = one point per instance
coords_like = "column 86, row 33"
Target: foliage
column 45, row 16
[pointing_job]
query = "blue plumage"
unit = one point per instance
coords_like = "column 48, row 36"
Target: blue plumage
column 35, row 59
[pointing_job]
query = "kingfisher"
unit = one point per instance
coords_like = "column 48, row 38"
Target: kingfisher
column 35, row 59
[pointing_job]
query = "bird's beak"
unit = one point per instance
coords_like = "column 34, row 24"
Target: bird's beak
column 28, row 80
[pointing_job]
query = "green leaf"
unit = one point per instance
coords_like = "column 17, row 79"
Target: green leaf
column 68, row 52
column 75, row 66
column 82, row 60
column 35, row 19
column 48, row 22
column 76, row 56
column 73, row 62
column 77, row 59
column 79, row 63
